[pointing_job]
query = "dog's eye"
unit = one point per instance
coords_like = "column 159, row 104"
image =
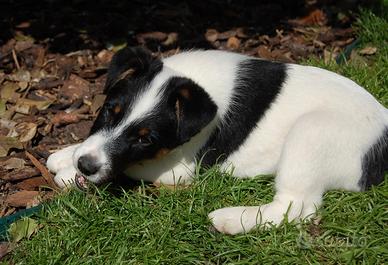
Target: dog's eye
column 144, row 140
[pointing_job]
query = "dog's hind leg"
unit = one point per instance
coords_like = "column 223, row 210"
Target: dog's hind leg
column 322, row 151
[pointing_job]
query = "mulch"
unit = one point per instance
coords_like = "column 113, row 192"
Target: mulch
column 54, row 57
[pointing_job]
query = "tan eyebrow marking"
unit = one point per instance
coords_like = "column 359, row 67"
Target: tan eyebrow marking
column 117, row 109
column 144, row 131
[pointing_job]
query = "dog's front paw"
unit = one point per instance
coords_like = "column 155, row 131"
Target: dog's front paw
column 65, row 177
column 234, row 220
column 61, row 159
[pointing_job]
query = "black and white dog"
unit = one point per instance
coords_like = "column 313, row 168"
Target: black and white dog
column 314, row 129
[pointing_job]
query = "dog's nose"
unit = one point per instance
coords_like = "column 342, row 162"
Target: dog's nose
column 87, row 165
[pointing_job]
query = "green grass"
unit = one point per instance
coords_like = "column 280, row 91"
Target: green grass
column 149, row 225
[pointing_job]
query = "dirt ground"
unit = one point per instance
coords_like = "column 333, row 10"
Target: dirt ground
column 54, row 57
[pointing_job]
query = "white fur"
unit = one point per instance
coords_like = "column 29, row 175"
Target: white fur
column 61, row 159
column 65, row 177
column 313, row 137
column 213, row 70
column 61, row 163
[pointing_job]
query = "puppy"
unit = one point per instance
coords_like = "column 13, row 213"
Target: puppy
column 314, row 129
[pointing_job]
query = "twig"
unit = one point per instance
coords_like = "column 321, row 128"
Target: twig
column 47, row 62
column 15, row 58
column 43, row 170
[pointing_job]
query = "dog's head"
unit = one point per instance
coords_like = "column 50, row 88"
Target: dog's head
column 149, row 110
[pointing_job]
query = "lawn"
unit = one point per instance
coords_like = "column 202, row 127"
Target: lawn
column 149, row 225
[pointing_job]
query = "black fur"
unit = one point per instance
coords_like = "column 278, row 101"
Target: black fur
column 167, row 130
column 127, row 149
column 196, row 108
column 259, row 82
column 122, row 92
column 375, row 163
column 136, row 58
column 185, row 108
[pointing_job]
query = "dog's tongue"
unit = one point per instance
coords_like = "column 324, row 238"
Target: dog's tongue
column 81, row 182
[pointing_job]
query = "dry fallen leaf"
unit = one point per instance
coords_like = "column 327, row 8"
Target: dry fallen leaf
column 74, row 88
column 80, row 130
column 171, row 39
column 4, row 249
column 26, row 131
column 226, row 35
column 23, row 45
column 316, row 17
column 356, row 59
column 7, row 90
column 241, row 33
column 22, row 85
column 2, row 108
column 22, row 198
column 156, row 35
column 369, row 50
column 97, row 103
column 12, row 163
column 233, row 43
column 24, row 105
column 264, row 52
column 282, row 56
column 104, row 57
column 211, row 35
column 19, row 174
column 21, row 76
column 329, row 56
column 7, row 143
column 62, row 118
column 32, row 183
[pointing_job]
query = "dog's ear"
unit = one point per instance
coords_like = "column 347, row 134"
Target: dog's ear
column 126, row 63
column 192, row 106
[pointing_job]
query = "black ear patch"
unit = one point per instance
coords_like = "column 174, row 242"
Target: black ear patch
column 129, row 62
column 193, row 107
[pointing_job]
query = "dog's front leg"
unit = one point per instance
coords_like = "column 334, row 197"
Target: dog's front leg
column 61, row 163
column 236, row 220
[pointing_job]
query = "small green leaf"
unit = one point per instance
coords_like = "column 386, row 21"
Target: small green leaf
column 23, row 228
column 116, row 45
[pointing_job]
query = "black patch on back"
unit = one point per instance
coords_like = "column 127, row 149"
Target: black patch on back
column 258, row 82
column 375, row 163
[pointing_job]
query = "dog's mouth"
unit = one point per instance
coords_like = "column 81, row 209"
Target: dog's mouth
column 81, row 182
